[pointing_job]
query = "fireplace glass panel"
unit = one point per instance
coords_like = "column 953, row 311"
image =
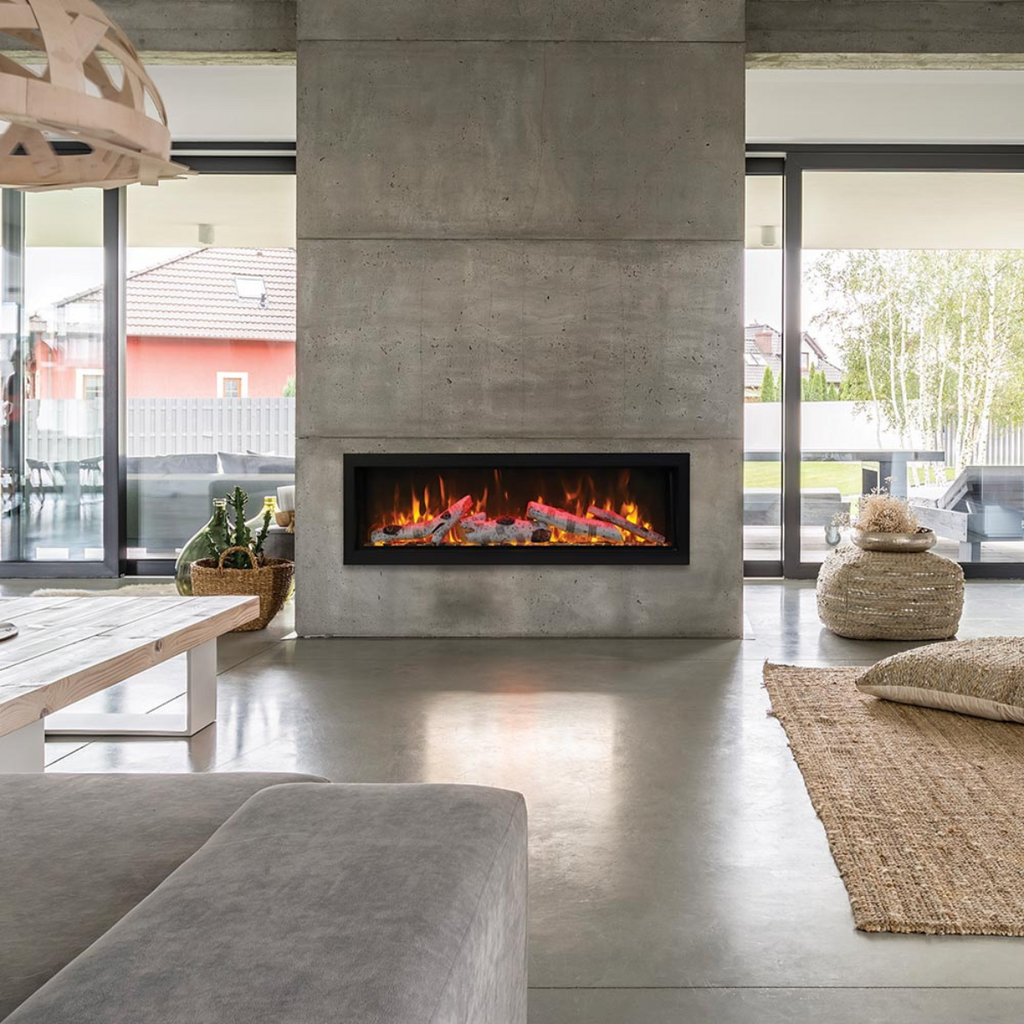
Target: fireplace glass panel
column 433, row 508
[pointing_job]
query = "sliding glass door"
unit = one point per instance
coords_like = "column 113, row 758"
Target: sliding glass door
column 762, row 368
column 210, row 351
column 147, row 361
column 904, row 348
column 52, row 360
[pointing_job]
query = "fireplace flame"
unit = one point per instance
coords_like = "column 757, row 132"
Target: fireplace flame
column 574, row 496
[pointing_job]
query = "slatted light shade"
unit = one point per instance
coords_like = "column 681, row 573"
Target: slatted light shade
column 91, row 89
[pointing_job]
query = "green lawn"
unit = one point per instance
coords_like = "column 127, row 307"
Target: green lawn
column 843, row 475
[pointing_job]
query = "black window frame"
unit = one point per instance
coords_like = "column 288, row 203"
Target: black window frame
column 791, row 161
column 204, row 157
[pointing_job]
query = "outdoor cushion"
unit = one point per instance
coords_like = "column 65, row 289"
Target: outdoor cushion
column 172, row 465
column 974, row 677
column 77, row 852
column 231, row 463
column 403, row 904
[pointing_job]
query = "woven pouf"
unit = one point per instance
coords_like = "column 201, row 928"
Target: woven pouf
column 877, row 595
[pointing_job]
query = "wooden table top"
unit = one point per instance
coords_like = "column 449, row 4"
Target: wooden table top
column 70, row 647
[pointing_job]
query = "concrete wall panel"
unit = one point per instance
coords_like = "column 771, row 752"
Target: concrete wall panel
column 702, row 599
column 520, row 246
column 693, row 20
column 521, row 339
column 541, row 140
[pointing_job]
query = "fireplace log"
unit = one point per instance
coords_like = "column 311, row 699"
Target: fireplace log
column 393, row 533
column 450, row 517
column 503, row 530
column 624, row 524
column 435, row 529
column 570, row 523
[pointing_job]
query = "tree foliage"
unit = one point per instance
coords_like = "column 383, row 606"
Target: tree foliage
column 815, row 387
column 929, row 338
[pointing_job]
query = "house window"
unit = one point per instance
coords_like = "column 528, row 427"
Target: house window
column 90, row 384
column 251, row 288
column 232, row 385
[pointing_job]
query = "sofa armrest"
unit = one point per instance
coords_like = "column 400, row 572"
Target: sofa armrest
column 78, row 852
column 355, row 903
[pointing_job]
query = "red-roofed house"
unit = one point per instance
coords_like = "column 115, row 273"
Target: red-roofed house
column 214, row 323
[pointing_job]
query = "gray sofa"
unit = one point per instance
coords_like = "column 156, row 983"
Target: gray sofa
column 253, row 898
column 171, row 496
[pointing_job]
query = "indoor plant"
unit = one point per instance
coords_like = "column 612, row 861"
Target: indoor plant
column 886, row 523
column 197, row 546
column 236, row 563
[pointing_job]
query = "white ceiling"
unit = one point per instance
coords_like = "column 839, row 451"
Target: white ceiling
column 910, row 210
column 885, row 106
column 254, row 210
column 763, row 212
column 239, row 103
column 893, row 210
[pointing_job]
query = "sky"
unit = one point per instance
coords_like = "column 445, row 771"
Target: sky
column 762, row 288
column 52, row 274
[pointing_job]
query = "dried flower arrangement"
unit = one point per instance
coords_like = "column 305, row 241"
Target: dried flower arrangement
column 882, row 513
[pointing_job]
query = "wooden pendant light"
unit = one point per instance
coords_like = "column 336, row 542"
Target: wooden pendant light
column 92, row 89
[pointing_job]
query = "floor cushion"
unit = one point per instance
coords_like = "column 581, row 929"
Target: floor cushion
column 973, row 677
column 77, row 852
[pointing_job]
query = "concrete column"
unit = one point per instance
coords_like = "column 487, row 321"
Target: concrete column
column 520, row 229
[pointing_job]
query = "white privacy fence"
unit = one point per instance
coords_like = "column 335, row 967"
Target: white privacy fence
column 835, row 426
column 63, row 430
column 825, row 426
column 178, row 426
column 1005, row 445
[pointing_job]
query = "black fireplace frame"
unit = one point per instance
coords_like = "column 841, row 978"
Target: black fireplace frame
column 676, row 465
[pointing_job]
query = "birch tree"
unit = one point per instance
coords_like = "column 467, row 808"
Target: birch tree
column 930, row 338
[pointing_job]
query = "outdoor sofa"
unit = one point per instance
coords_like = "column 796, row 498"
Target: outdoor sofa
column 171, row 496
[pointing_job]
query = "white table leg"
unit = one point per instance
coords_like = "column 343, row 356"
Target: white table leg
column 22, row 750
column 202, row 687
column 201, row 707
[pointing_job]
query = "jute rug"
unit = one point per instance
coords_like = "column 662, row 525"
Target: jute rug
column 924, row 809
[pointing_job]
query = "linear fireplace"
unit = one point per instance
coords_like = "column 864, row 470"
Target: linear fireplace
column 516, row 509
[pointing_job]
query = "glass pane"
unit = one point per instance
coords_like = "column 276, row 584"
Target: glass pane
column 51, row 354
column 762, row 471
column 912, row 304
column 210, row 353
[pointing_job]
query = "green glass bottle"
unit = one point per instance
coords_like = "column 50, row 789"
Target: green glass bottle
column 199, row 546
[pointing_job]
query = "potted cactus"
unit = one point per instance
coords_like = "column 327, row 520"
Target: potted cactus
column 237, row 564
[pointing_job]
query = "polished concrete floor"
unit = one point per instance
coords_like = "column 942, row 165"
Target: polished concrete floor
column 678, row 871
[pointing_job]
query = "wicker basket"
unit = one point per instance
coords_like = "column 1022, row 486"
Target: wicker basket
column 269, row 582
